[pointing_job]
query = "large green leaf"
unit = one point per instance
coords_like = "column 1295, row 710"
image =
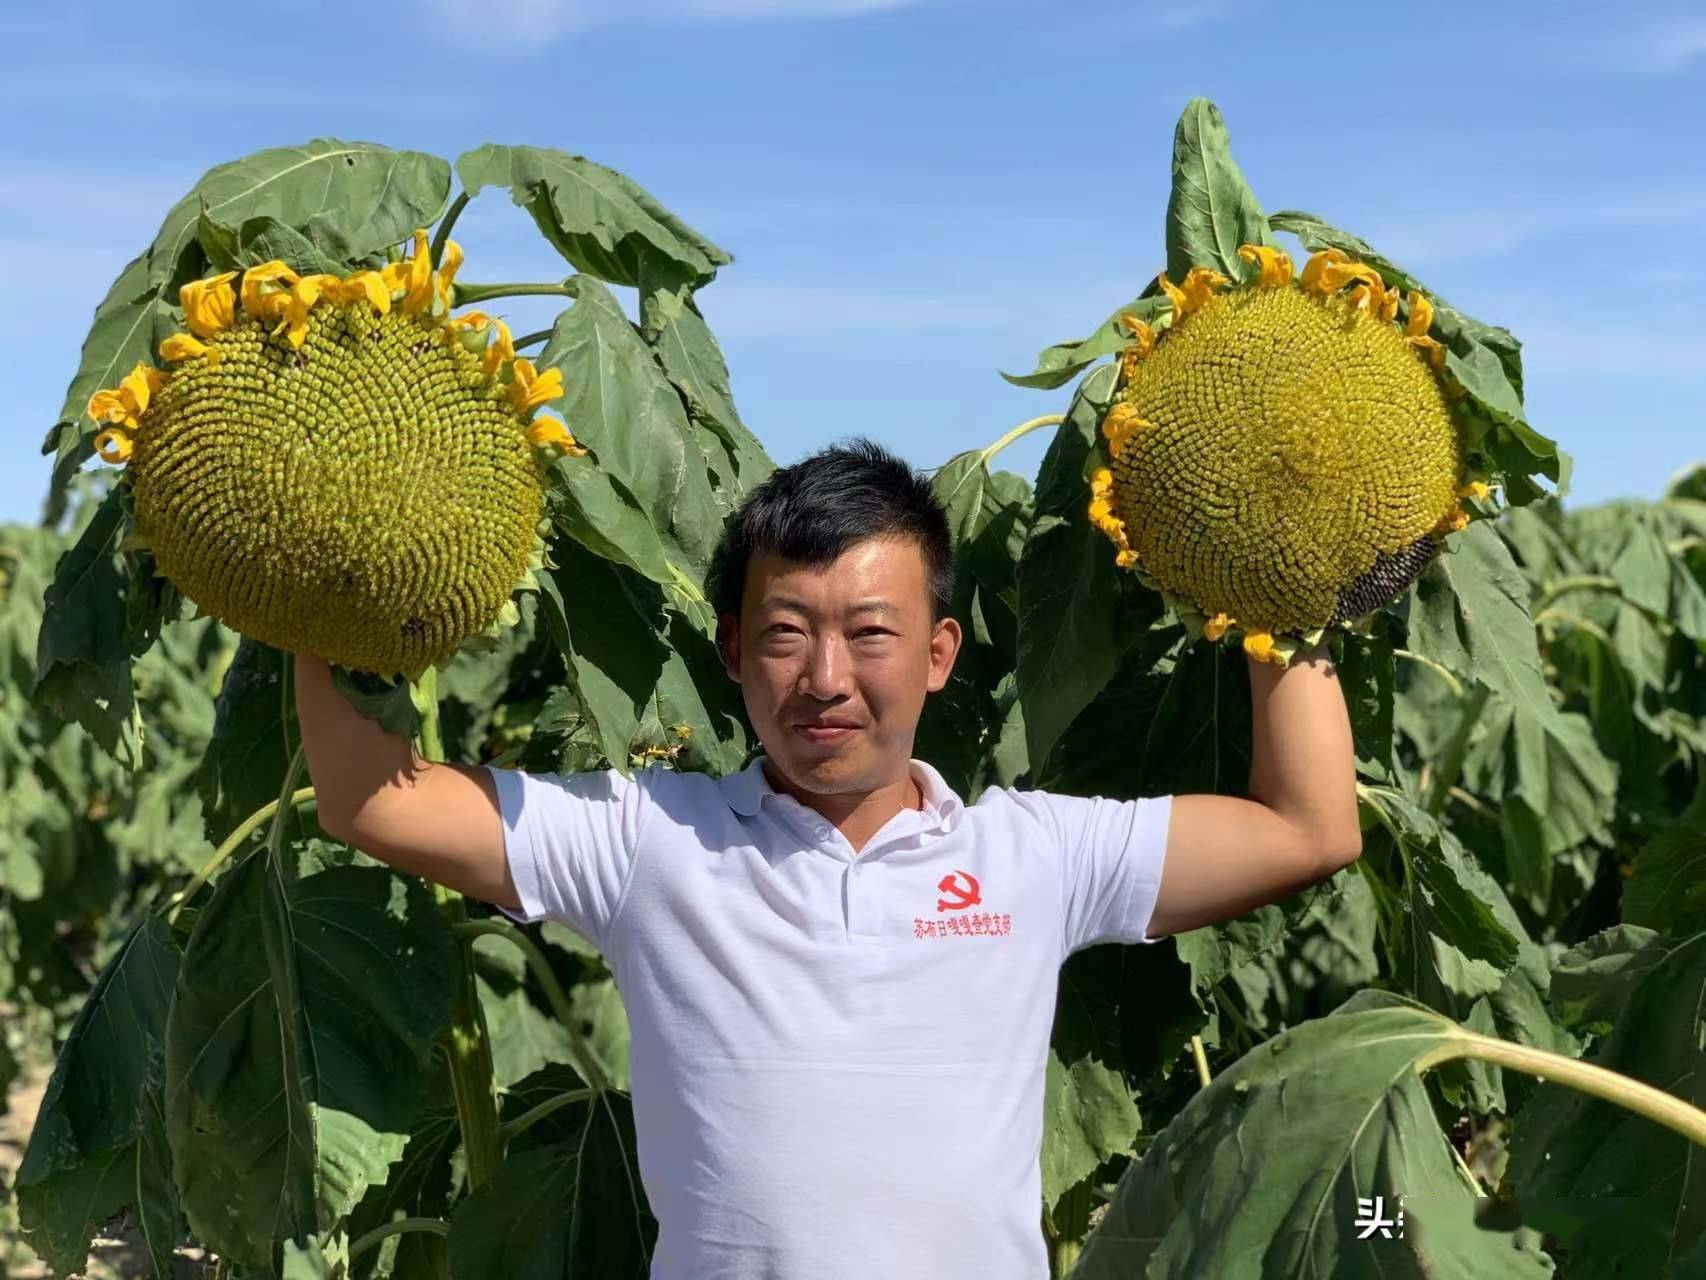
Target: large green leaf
column 87, row 638
column 1455, row 936
column 348, row 199
column 1469, row 612
column 1211, row 209
column 251, row 738
column 1667, row 888
column 606, row 224
column 98, row 1146
column 1265, row 1172
column 1061, row 363
column 298, row 1048
column 645, row 496
column 1069, row 638
column 567, row 1202
column 1625, row 1196
column 1088, row 1115
column 693, row 361
column 422, row 1184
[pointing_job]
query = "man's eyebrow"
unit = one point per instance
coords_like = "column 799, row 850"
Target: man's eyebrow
column 874, row 605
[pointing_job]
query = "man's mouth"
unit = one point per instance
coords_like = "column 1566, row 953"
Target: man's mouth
column 825, row 732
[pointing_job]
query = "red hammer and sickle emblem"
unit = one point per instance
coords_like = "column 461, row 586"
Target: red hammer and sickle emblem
column 959, row 897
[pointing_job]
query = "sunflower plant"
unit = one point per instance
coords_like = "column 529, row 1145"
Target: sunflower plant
column 306, row 427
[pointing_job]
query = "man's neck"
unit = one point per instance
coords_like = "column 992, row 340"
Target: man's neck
column 857, row 815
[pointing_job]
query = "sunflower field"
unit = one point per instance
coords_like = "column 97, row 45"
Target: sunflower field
column 1477, row 1052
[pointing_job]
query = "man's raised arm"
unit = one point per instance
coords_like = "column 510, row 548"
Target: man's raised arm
column 1227, row 856
column 440, row 821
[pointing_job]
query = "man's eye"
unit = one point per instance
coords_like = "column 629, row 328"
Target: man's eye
column 868, row 633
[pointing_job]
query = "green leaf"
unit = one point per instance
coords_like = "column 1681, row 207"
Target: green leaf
column 1637, row 1187
column 567, row 1202
column 87, row 638
column 98, row 1143
column 604, row 1024
column 602, row 222
column 1667, row 888
column 422, row 1185
column 348, row 199
column 298, row 1048
column 1366, row 670
column 645, row 496
column 1469, row 612
column 249, row 751
column 693, row 362
column 1211, row 209
column 1333, row 1111
column 1064, row 361
column 1069, row 606
column 1088, row 1116
column 262, row 239
column 1457, row 935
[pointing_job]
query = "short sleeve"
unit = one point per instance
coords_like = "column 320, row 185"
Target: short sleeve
column 1112, row 852
column 570, row 841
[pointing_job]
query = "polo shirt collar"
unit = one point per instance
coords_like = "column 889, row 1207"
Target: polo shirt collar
column 745, row 792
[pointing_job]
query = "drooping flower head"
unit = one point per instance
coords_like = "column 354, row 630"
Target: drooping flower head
column 335, row 465
column 1281, row 454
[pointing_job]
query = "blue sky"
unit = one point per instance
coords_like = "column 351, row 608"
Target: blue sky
column 921, row 192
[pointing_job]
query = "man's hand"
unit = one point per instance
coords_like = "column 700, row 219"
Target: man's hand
column 1227, row 856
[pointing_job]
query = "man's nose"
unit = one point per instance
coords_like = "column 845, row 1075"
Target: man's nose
column 826, row 672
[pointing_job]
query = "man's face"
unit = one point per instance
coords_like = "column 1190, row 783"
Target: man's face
column 834, row 661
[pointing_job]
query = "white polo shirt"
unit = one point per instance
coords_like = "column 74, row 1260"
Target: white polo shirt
column 838, row 1059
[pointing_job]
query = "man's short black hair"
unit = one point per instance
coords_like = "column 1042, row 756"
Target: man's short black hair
column 816, row 509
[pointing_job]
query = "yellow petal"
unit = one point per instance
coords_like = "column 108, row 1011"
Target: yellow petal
column 1216, row 626
column 210, row 306
column 1316, row 267
column 182, row 346
column 362, row 286
column 266, row 289
column 471, row 320
column 1421, row 316
column 447, row 268
column 114, row 446
column 418, row 292
column 531, row 389
column 1451, row 522
column 1121, row 422
column 109, row 406
column 1331, row 270
column 1200, row 285
column 1273, row 265
column 1142, row 336
column 1175, row 295
column 1260, row 646
column 501, row 349
column 138, row 387
column 548, row 432
column 1476, row 489
column 303, row 295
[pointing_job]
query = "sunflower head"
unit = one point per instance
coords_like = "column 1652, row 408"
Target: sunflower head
column 1282, row 455
column 328, row 465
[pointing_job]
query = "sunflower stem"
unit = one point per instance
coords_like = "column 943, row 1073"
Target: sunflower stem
column 1023, row 429
column 379, row 1235
column 532, row 339
column 1610, row 1086
column 442, row 236
column 555, row 996
column 1451, row 762
column 1578, row 582
column 1201, row 1059
column 467, row 1041
column 527, row 1119
column 231, row 843
column 1438, row 668
column 467, row 293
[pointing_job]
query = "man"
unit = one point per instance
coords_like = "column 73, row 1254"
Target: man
column 840, row 977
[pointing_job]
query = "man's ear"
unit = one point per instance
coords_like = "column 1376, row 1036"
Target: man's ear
column 728, row 644
column 945, row 643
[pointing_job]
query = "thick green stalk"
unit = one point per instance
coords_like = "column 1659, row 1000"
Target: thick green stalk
column 1023, row 429
column 373, row 1239
column 467, row 293
column 1071, row 1220
column 231, row 844
column 1578, row 582
column 1610, row 1086
column 532, row 339
column 555, row 996
column 442, row 236
column 467, row 1044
